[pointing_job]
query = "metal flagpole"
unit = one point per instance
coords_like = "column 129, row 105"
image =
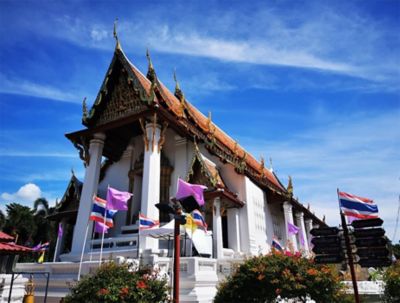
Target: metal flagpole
column 55, row 250
column 102, row 235
column 83, row 250
column 349, row 253
column 138, row 240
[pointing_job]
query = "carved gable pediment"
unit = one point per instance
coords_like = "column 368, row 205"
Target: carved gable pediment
column 123, row 100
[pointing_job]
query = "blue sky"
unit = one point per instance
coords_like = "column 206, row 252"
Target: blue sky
column 314, row 85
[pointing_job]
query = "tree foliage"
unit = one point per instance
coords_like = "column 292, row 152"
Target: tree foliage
column 119, row 283
column 20, row 221
column 264, row 278
column 392, row 283
column 396, row 250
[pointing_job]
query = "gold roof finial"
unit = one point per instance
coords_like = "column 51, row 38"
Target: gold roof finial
column 262, row 165
column 177, row 87
column 84, row 109
column 323, row 218
column 290, row 186
column 151, row 74
column 115, row 34
column 209, row 121
column 72, row 172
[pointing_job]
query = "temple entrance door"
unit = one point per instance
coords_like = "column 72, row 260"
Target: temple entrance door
column 224, row 221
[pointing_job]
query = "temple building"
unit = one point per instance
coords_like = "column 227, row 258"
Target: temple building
column 140, row 137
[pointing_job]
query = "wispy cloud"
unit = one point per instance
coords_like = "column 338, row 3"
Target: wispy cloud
column 321, row 38
column 28, row 88
column 10, row 153
column 358, row 154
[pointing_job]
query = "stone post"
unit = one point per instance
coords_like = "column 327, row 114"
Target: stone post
column 151, row 179
column 288, row 214
column 309, row 226
column 217, row 230
column 302, row 234
column 89, row 189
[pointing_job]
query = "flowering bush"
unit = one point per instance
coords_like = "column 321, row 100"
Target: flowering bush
column 264, row 278
column 117, row 283
column 392, row 283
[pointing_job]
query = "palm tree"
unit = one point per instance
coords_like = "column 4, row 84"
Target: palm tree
column 2, row 219
column 20, row 221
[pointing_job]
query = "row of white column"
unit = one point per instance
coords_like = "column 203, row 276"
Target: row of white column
column 150, row 185
column 304, row 226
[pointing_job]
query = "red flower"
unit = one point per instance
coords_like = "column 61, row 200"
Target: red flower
column 124, row 291
column 103, row 291
column 141, row 284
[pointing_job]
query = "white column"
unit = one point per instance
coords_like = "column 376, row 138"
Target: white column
column 308, row 229
column 302, row 232
column 288, row 214
column 151, row 181
column 234, row 229
column 181, row 162
column 89, row 188
column 217, row 230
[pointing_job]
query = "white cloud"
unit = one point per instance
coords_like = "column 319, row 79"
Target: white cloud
column 359, row 155
column 27, row 193
column 27, row 88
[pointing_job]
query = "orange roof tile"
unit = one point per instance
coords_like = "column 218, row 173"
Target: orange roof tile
column 12, row 247
column 174, row 105
column 5, row 237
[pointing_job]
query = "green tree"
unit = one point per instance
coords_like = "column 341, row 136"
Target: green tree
column 392, row 283
column 2, row 219
column 264, row 278
column 20, row 221
column 396, row 250
column 120, row 284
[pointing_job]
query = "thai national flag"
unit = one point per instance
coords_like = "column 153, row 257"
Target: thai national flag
column 99, row 210
column 277, row 245
column 198, row 219
column 358, row 207
column 145, row 222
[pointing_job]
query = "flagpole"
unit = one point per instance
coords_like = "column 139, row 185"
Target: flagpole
column 102, row 234
column 349, row 253
column 138, row 240
column 91, row 246
column 55, row 250
column 83, row 250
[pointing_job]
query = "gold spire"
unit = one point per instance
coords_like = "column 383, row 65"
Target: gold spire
column 84, row 109
column 209, row 121
column 290, row 186
column 177, row 87
column 115, row 34
column 262, row 165
column 151, row 74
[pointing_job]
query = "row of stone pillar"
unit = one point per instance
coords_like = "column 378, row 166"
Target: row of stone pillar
column 304, row 226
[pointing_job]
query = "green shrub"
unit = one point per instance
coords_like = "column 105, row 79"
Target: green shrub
column 118, row 283
column 392, row 283
column 264, row 278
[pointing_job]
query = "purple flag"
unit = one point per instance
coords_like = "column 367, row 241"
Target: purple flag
column 186, row 189
column 100, row 227
column 117, row 200
column 292, row 229
column 60, row 230
column 37, row 247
